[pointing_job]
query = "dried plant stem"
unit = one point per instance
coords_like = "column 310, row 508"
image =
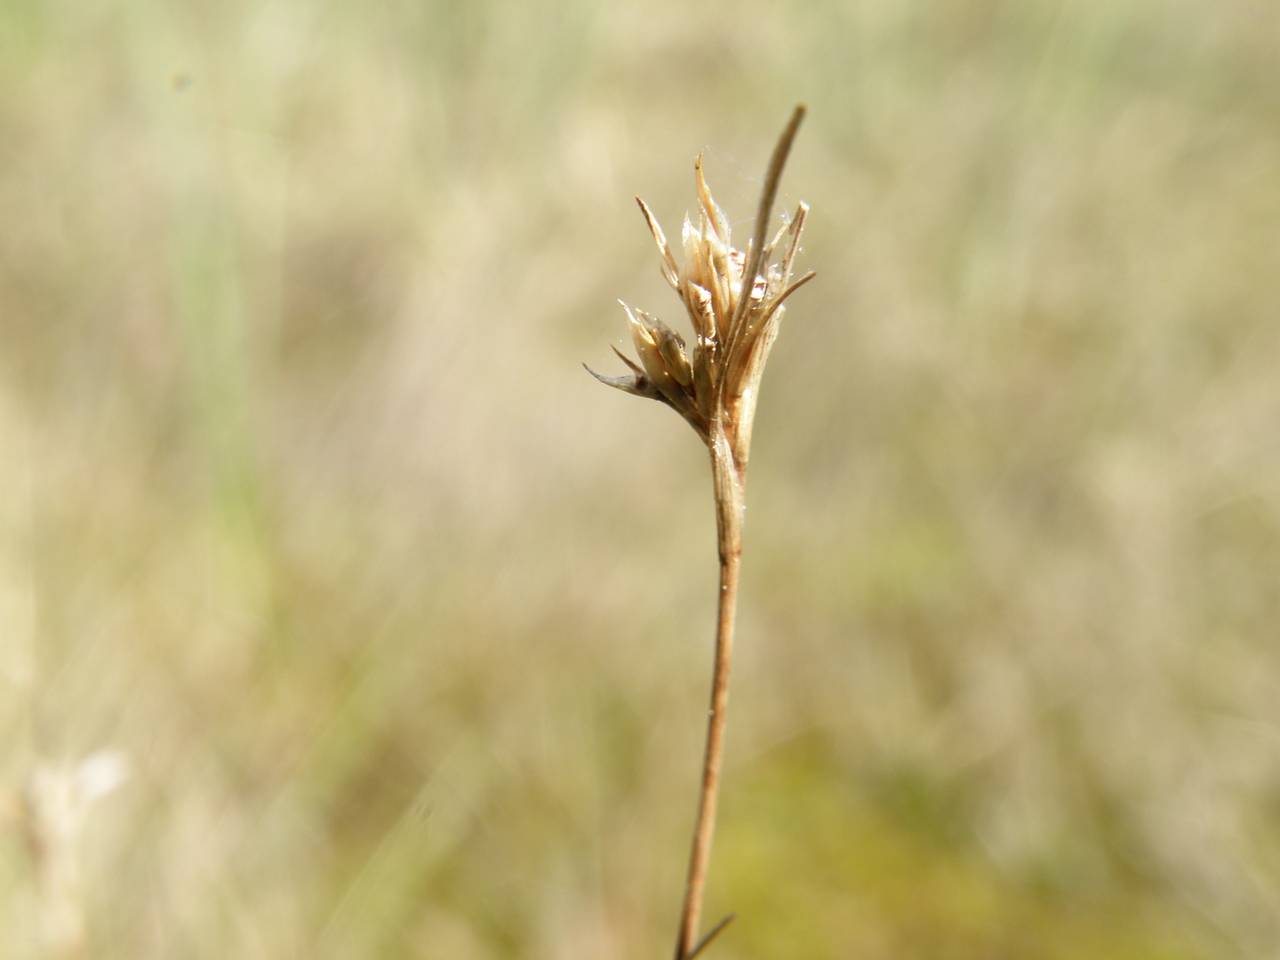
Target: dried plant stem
column 735, row 301
column 730, row 513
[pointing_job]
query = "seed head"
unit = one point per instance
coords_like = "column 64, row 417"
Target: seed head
column 735, row 301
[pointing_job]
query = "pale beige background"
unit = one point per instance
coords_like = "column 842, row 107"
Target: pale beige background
column 402, row 623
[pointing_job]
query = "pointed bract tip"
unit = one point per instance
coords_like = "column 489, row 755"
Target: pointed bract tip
column 627, row 384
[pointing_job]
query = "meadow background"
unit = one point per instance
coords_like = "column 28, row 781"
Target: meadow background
column 403, row 624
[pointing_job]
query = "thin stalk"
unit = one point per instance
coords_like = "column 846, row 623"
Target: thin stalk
column 715, row 391
column 728, row 486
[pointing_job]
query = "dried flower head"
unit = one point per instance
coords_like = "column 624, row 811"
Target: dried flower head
column 735, row 301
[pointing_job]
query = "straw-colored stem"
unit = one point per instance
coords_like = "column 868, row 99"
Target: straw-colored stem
column 715, row 391
column 728, row 485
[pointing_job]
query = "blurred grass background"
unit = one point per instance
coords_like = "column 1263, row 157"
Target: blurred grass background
column 404, row 624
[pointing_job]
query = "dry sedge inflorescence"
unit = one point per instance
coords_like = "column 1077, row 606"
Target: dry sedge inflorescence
column 734, row 322
column 734, row 298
